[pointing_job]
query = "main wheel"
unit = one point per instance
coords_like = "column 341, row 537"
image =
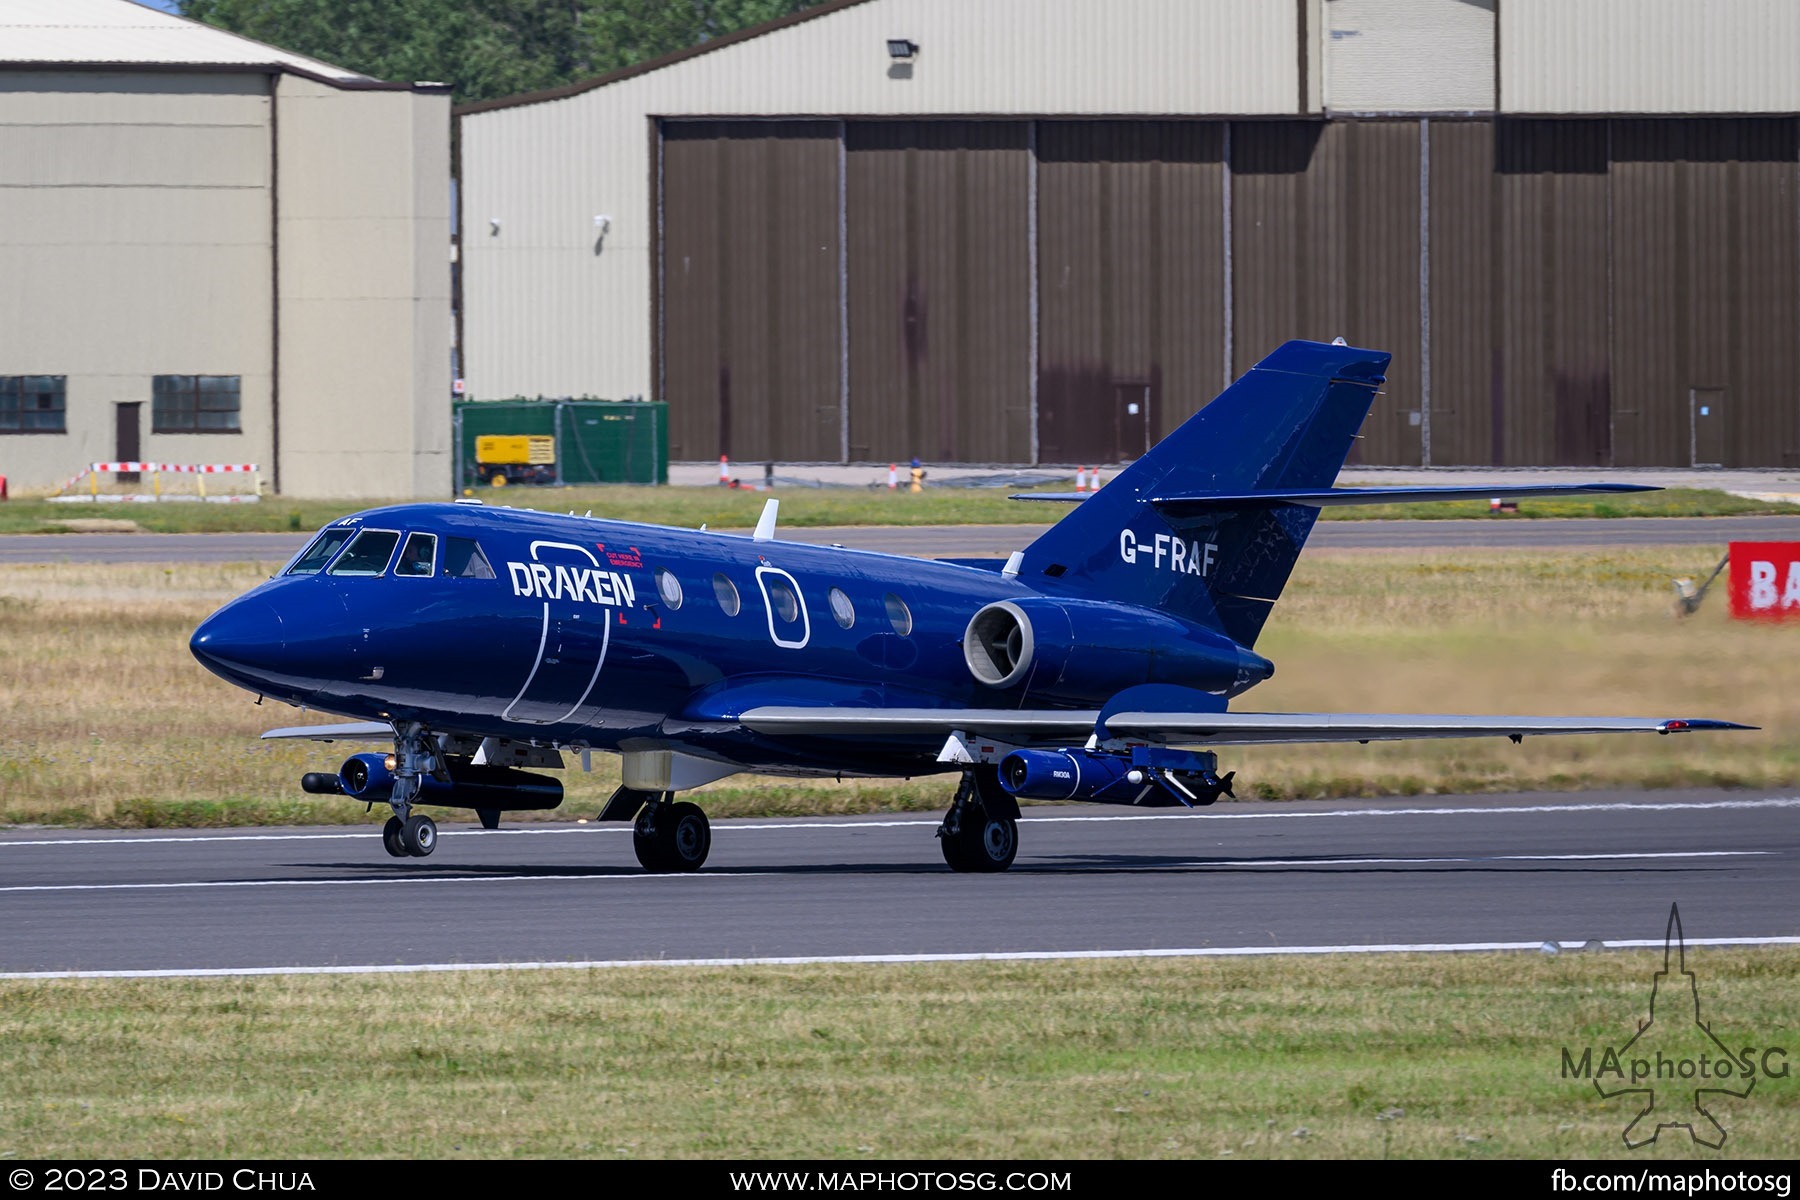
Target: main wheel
column 983, row 842
column 953, row 852
column 645, row 843
column 390, row 838
column 685, row 837
column 419, row 835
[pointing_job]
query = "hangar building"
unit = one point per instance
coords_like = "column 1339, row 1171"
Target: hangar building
column 1046, row 231
column 215, row 251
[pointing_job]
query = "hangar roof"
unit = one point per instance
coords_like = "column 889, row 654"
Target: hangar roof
column 90, row 32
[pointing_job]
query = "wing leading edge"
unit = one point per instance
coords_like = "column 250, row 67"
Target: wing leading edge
column 356, row 731
column 1201, row 729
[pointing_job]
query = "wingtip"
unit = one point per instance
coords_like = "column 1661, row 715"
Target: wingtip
column 1701, row 725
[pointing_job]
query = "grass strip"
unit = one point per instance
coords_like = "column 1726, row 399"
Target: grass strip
column 1397, row 1056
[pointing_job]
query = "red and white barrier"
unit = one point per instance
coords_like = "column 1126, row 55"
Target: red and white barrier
column 156, row 471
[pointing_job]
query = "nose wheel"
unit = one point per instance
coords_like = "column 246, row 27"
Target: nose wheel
column 408, row 834
column 414, row 837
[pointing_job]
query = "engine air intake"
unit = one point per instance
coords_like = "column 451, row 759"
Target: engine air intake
column 998, row 645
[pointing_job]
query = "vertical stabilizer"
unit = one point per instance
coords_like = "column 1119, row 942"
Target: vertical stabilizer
column 1288, row 423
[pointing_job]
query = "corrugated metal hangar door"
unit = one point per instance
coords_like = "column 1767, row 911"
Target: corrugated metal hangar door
column 1325, row 243
column 1584, row 292
column 939, row 273
column 1131, row 270
column 858, row 292
column 749, row 286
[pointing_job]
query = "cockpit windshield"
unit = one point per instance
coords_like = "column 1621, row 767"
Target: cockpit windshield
column 313, row 559
column 368, row 554
column 419, row 556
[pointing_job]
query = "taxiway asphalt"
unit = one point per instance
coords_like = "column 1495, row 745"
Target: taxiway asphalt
column 1458, row 871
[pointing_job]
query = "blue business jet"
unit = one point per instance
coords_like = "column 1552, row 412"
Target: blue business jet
column 1096, row 664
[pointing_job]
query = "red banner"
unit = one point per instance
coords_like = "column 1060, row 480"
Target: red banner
column 1765, row 579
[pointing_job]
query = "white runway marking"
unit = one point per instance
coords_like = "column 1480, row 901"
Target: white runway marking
column 804, row 960
column 631, row 877
column 851, row 825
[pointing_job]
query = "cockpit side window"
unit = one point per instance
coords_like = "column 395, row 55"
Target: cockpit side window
column 419, row 555
column 463, row 559
column 367, row 555
column 313, row 559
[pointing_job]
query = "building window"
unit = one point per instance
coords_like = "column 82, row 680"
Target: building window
column 33, row 403
column 195, row 404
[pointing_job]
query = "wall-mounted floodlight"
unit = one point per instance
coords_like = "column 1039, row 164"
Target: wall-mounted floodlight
column 902, row 49
column 493, row 226
column 603, row 223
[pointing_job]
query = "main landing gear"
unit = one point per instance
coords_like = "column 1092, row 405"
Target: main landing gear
column 671, row 836
column 981, row 830
column 408, row 833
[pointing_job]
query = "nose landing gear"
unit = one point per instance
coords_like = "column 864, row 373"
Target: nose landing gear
column 409, row 834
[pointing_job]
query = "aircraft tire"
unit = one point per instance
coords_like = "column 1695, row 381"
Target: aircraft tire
column 419, row 835
column 953, row 852
column 686, row 837
column 390, row 838
column 645, row 844
column 984, row 843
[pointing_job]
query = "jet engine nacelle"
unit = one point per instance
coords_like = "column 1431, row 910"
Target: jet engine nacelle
column 502, row 789
column 1082, row 651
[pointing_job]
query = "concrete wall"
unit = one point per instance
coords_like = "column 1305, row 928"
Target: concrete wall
column 364, row 226
column 134, row 242
column 139, row 237
column 1389, row 56
column 1649, row 56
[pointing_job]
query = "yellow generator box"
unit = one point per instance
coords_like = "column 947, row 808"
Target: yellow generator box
column 515, row 449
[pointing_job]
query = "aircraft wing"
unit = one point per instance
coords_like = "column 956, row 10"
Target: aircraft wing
column 356, row 731
column 1200, row 729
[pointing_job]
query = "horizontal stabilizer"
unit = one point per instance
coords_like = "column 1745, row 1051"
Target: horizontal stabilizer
column 1198, row 502
column 356, row 731
column 1188, row 728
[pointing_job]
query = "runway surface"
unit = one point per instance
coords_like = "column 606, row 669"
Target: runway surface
column 982, row 541
column 1459, row 871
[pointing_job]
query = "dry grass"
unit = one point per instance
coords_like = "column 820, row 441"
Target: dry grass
column 105, row 717
column 738, row 508
column 1427, row 1056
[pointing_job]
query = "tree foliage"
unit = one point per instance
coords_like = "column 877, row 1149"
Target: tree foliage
column 486, row 48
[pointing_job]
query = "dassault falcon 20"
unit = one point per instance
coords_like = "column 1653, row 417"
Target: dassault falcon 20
column 1096, row 664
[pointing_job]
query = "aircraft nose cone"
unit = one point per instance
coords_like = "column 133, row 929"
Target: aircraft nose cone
column 243, row 637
